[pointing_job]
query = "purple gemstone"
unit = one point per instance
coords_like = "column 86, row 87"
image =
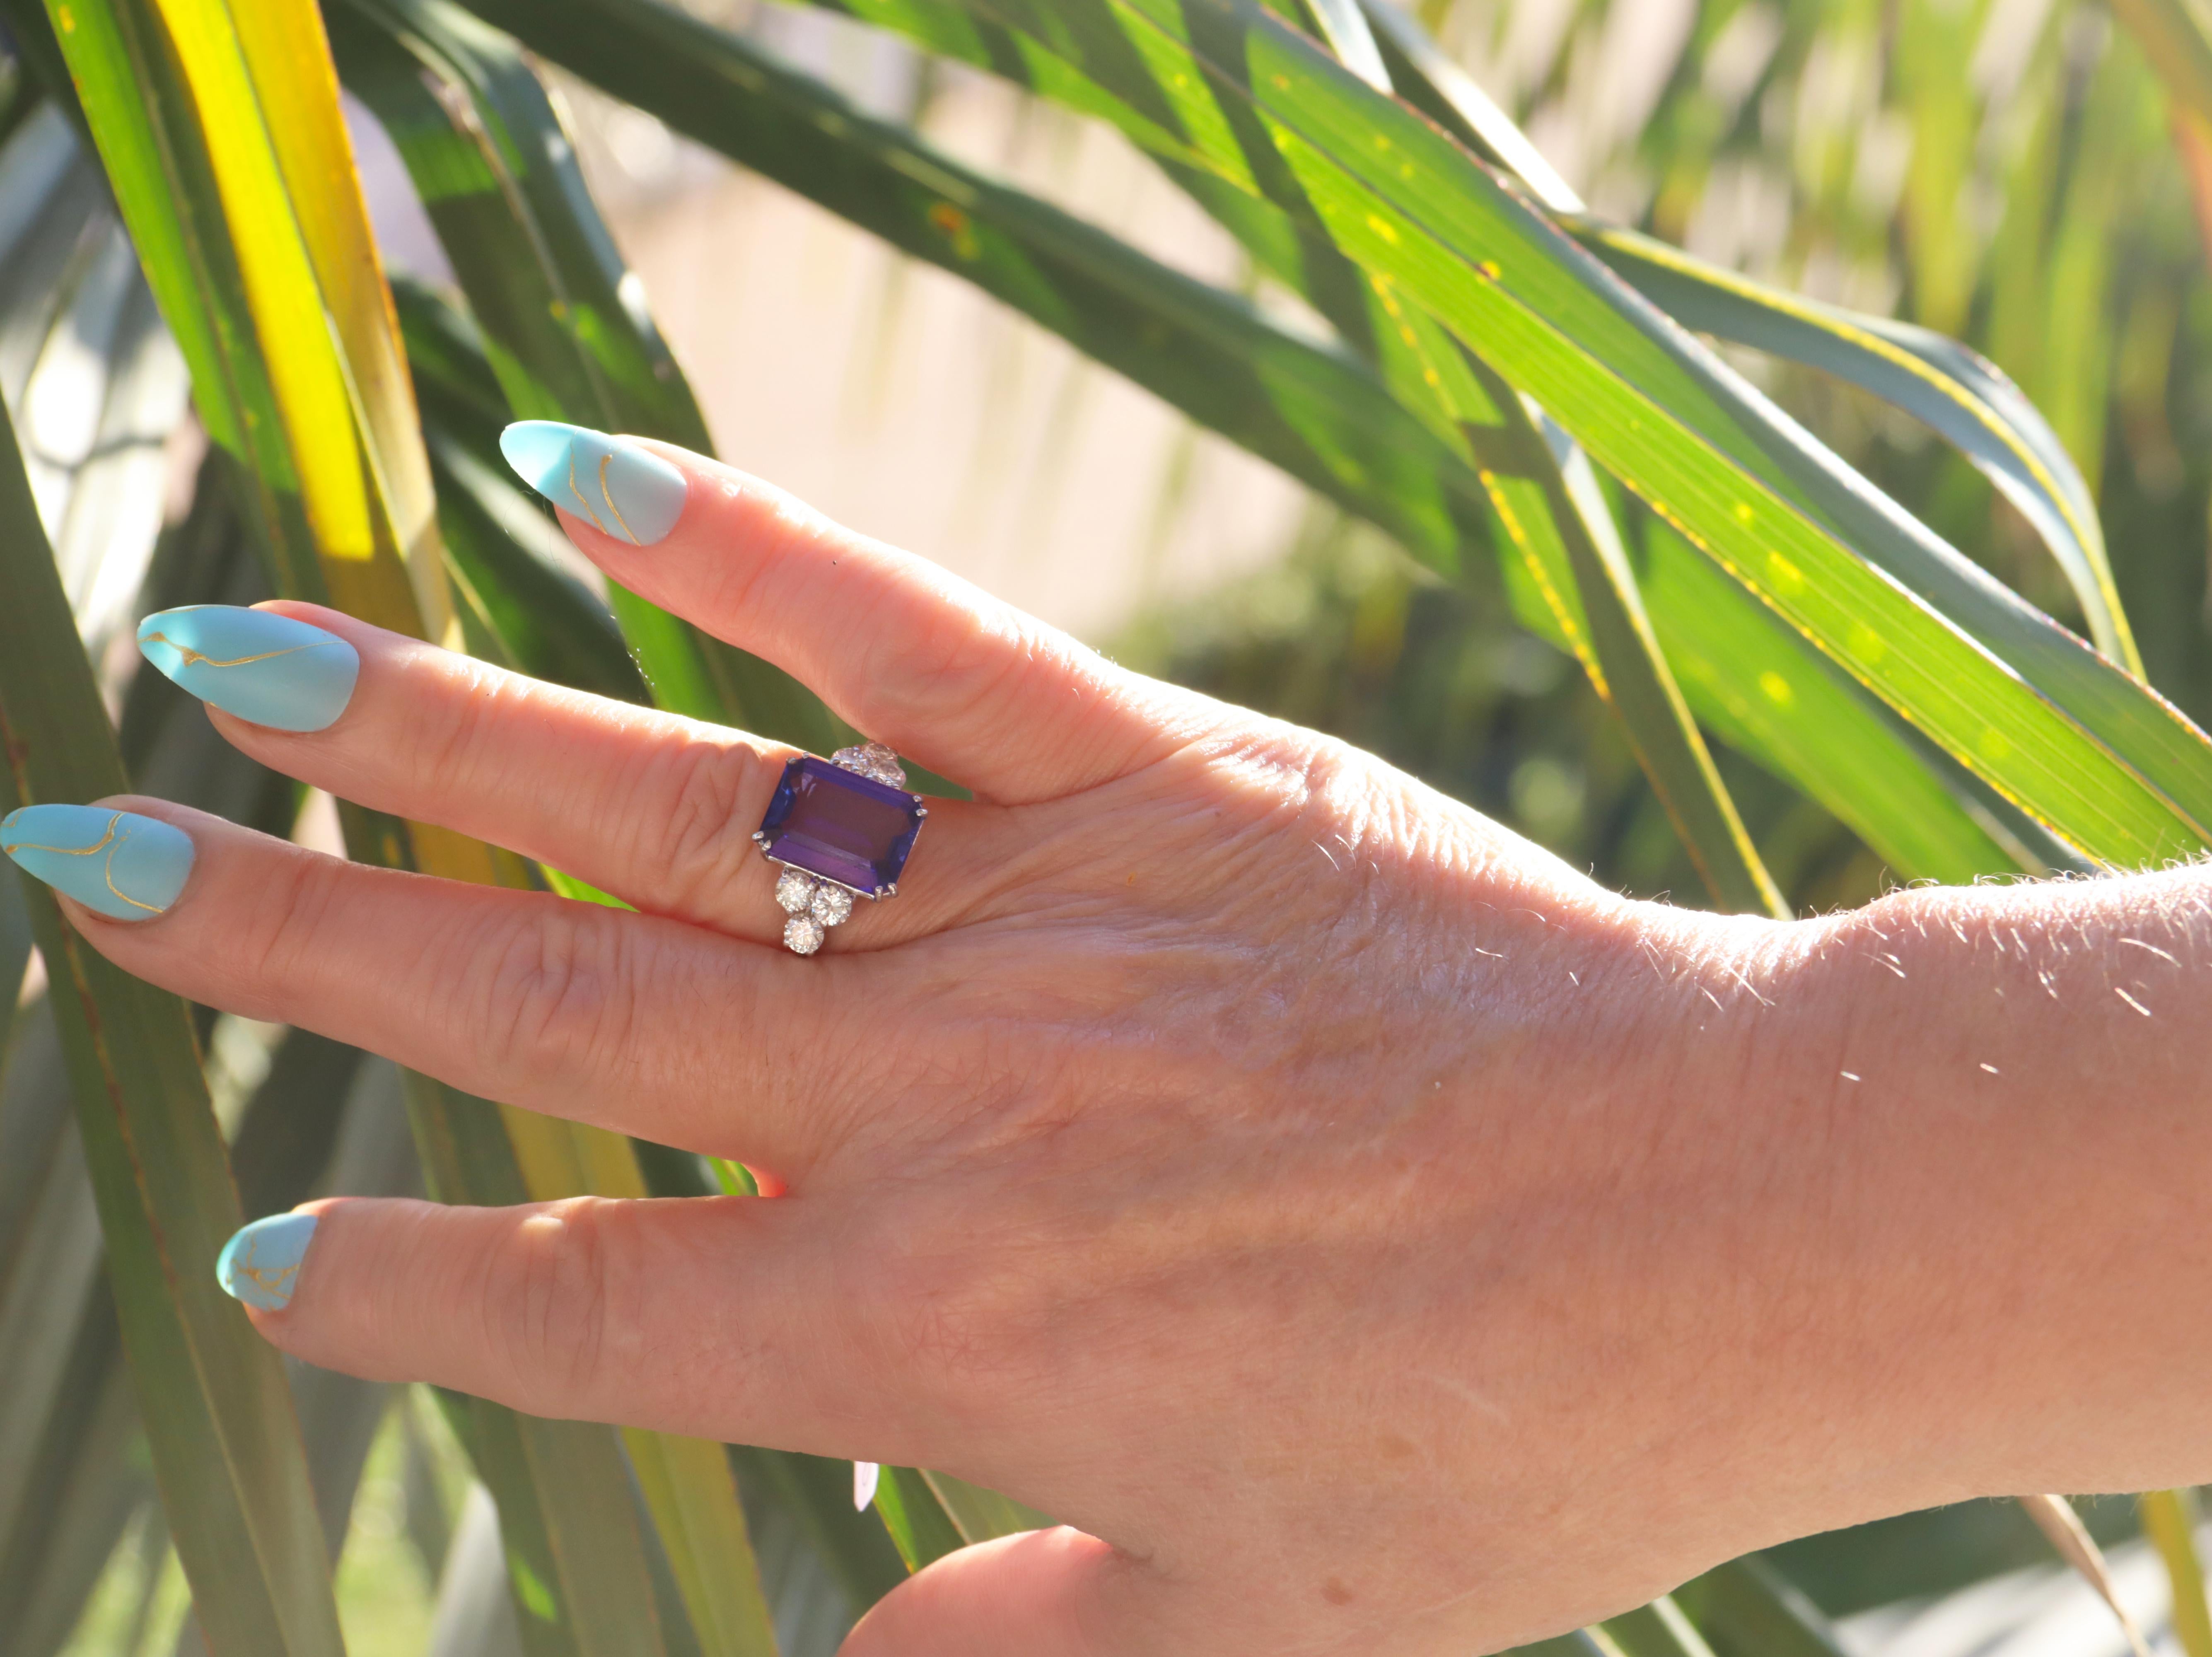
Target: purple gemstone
column 840, row 825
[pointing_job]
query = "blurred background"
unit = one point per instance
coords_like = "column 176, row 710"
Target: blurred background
column 2003, row 171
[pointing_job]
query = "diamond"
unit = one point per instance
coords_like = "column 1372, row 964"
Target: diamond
column 871, row 760
column 832, row 905
column 795, row 891
column 840, row 826
column 802, row 934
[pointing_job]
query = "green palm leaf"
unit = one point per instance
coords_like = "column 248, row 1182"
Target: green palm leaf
column 1658, row 1629
column 1347, row 435
column 565, row 333
column 1748, row 676
column 269, row 278
column 917, row 1520
column 2110, row 768
column 226, row 1446
column 1315, row 414
column 1747, row 1606
column 1550, row 508
column 1955, row 391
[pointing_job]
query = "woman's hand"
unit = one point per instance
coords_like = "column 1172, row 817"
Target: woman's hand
column 1367, row 1234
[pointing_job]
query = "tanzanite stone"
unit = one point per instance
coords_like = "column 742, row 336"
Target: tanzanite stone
column 840, row 825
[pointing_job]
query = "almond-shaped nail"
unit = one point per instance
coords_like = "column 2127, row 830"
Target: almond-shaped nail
column 619, row 489
column 260, row 1265
column 125, row 866
column 264, row 667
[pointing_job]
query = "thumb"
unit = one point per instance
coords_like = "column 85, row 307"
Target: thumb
column 1043, row 1594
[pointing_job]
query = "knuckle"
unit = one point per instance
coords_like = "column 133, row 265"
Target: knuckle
column 696, row 836
column 948, row 1316
column 448, row 745
column 291, row 921
column 547, row 1296
column 553, row 987
column 961, row 666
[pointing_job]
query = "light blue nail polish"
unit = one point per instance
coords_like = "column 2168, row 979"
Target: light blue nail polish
column 254, row 663
column 116, row 862
column 618, row 488
column 261, row 1264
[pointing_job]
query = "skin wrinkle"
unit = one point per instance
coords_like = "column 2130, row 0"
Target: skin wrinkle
column 703, row 845
column 443, row 742
column 283, row 943
column 538, row 993
column 557, row 1336
column 953, row 658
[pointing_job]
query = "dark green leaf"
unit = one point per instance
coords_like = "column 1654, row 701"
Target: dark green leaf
column 917, row 1520
column 210, row 1391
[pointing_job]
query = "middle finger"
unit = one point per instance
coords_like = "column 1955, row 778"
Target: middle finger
column 654, row 808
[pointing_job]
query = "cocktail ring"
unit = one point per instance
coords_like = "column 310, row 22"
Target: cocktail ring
column 840, row 829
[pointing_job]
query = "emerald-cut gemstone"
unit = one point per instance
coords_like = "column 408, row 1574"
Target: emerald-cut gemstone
column 840, row 826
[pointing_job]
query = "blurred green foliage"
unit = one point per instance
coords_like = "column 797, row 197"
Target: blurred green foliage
column 2003, row 172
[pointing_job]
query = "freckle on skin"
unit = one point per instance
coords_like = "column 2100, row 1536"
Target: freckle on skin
column 1335, row 1592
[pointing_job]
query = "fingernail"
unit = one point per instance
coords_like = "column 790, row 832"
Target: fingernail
column 254, row 663
column 618, row 487
column 261, row 1264
column 125, row 866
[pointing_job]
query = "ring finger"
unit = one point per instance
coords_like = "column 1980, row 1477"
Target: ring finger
column 628, row 1022
column 657, row 809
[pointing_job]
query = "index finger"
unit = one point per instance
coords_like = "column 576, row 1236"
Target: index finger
column 906, row 652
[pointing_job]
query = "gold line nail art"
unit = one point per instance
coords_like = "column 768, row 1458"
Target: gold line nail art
column 108, row 873
column 67, row 851
column 108, row 841
column 576, row 489
column 194, row 658
column 267, row 1281
column 607, row 460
